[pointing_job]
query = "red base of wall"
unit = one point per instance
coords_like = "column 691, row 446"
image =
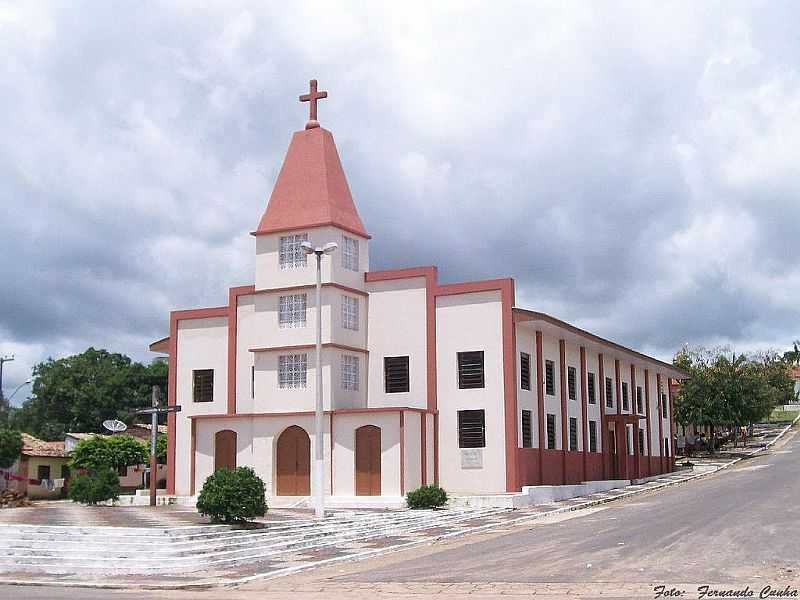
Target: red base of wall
column 550, row 467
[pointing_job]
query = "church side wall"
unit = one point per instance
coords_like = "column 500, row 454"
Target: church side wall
column 397, row 327
column 467, row 322
column 201, row 344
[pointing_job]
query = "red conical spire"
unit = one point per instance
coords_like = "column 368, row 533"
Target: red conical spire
column 311, row 189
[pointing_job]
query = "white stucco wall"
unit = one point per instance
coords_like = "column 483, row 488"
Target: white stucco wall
column 344, row 461
column 469, row 322
column 398, row 327
column 526, row 399
column 202, row 344
column 552, row 403
column 270, row 275
column 413, row 450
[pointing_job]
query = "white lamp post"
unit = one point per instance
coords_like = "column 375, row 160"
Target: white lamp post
column 319, row 459
column 24, row 383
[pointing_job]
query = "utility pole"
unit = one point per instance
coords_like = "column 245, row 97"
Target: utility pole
column 3, row 360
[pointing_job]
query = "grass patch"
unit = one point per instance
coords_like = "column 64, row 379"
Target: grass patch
column 783, row 416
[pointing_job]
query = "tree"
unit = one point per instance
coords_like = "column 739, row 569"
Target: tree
column 793, row 355
column 161, row 448
column 108, row 452
column 95, row 487
column 79, row 392
column 10, row 447
column 729, row 389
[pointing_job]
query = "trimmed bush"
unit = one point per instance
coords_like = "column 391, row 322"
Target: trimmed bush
column 427, row 496
column 232, row 496
column 95, row 487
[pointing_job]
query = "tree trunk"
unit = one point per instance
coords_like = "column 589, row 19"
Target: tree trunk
column 711, row 440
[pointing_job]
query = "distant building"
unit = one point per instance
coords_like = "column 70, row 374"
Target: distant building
column 41, row 470
column 423, row 382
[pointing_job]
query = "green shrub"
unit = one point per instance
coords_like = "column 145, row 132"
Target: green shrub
column 427, row 496
column 232, row 496
column 10, row 447
column 94, row 487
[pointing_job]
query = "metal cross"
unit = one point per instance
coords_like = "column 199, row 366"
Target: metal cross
column 312, row 96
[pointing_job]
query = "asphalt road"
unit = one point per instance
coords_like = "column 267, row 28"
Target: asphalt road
column 741, row 525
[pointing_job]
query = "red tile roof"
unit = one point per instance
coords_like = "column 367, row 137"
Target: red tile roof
column 32, row 446
column 311, row 189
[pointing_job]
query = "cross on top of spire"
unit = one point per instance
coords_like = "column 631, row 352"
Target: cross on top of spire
column 311, row 97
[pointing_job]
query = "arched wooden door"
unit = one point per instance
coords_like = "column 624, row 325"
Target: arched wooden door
column 225, row 450
column 293, row 462
column 368, row 461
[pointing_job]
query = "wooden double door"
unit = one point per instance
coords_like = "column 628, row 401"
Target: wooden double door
column 293, row 462
column 368, row 461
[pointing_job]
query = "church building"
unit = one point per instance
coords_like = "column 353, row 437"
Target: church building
column 422, row 382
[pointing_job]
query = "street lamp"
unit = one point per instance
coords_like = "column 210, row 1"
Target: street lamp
column 24, row 383
column 319, row 460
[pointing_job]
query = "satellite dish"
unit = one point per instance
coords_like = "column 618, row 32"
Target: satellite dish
column 114, row 426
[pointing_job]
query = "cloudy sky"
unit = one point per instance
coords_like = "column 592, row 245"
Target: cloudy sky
column 633, row 165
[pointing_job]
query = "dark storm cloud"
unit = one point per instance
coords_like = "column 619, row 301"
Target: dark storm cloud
column 633, row 166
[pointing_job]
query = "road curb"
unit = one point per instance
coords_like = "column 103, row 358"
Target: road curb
column 221, row 583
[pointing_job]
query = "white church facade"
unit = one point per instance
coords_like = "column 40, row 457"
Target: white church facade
column 422, row 382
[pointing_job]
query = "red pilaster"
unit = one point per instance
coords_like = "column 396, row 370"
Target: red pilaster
column 635, row 410
column 584, row 410
column 647, row 447
column 540, row 403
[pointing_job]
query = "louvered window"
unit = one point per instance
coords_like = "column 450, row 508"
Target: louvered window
column 350, row 313
column 550, row 378
column 292, row 369
column 527, row 429
column 349, row 372
column 349, row 253
column 203, row 385
column 641, row 442
column 395, row 374
column 292, row 311
column 639, row 402
column 470, row 370
column 664, row 405
column 625, row 401
column 592, row 436
column 290, row 253
column 609, row 392
column 591, row 388
column 471, row 429
column 525, row 370
column 572, row 383
column 551, row 431
column 573, row 433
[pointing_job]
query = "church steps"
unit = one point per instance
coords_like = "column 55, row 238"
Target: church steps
column 246, row 546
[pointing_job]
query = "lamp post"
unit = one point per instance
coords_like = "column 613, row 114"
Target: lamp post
column 20, row 386
column 319, row 459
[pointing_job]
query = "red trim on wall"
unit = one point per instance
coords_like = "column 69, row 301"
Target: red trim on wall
column 562, row 378
column 635, row 409
column 510, row 385
column 660, row 422
column 193, row 459
column 360, row 234
column 601, row 375
column 647, row 447
column 303, row 413
column 423, row 442
column 392, row 274
column 671, row 422
column 584, row 410
column 540, row 403
column 436, row 447
column 311, row 286
column 402, row 453
column 331, row 445
column 172, row 384
column 310, row 347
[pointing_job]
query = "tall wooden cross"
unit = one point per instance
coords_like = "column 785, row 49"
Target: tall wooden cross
column 312, row 96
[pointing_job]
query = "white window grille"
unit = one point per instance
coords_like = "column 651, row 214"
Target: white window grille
column 350, row 253
column 350, row 372
column 292, row 371
column 350, row 313
column 292, row 311
column 291, row 254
